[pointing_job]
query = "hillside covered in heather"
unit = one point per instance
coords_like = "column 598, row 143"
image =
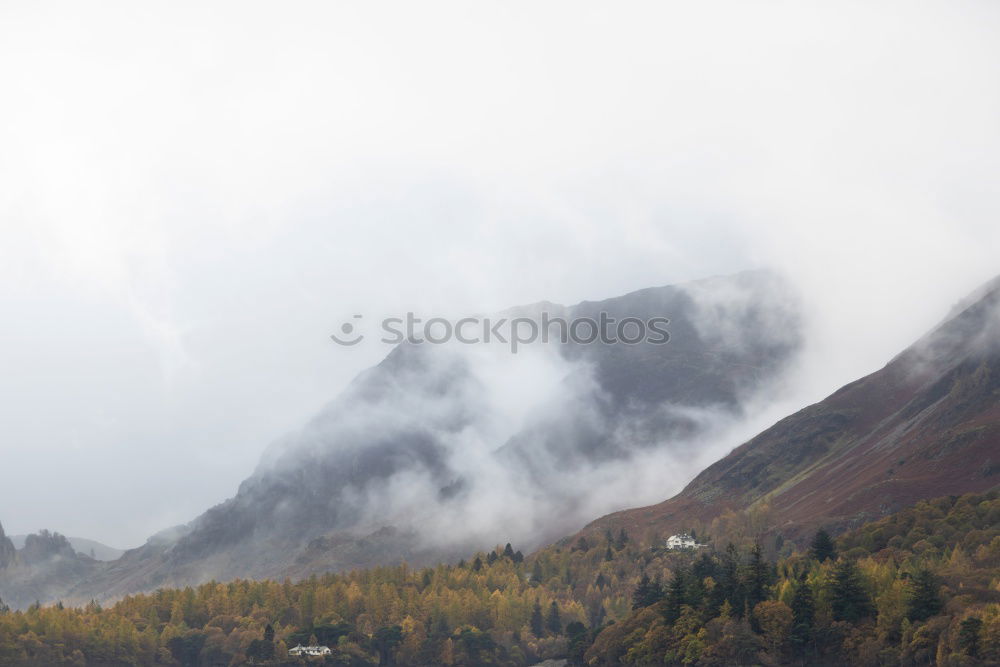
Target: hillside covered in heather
column 925, row 425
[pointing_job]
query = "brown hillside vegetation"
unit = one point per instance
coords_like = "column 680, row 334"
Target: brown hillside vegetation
column 919, row 586
column 925, row 425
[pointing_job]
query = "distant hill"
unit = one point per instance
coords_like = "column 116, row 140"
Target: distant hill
column 925, row 425
column 42, row 569
column 81, row 545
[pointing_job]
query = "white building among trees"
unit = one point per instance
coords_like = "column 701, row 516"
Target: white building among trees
column 682, row 541
column 301, row 650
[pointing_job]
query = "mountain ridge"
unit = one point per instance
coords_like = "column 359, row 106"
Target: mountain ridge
column 924, row 425
column 332, row 495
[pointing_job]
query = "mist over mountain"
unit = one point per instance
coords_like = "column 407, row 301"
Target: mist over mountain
column 440, row 449
column 44, row 567
column 925, row 425
column 438, row 441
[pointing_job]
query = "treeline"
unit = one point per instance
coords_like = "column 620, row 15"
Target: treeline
column 920, row 587
column 496, row 608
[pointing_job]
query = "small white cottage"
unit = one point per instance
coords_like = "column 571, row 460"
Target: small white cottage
column 301, row 650
column 682, row 541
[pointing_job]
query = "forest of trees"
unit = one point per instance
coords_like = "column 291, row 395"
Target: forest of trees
column 919, row 587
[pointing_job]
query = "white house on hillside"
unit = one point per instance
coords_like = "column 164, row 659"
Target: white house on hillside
column 309, row 650
column 682, row 541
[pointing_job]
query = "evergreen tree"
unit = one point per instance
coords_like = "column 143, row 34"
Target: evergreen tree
column 704, row 567
column 552, row 622
column 577, row 634
column 537, row 620
column 269, row 633
column 728, row 588
column 803, row 614
column 597, row 615
column 622, row 539
column 477, row 564
column 385, row 640
column 536, row 572
column 822, row 547
column 440, row 629
column 647, row 593
column 508, row 551
column 849, row 600
column 491, row 558
column 674, row 598
column 260, row 649
column 922, row 599
column 968, row 636
column 758, row 578
column 608, row 554
column 518, row 557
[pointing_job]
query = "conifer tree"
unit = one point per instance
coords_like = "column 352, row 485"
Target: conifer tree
column 622, row 539
column 552, row 622
column 822, row 547
column 674, row 598
column 647, row 593
column 968, row 636
column 922, row 599
column 728, row 588
column 803, row 614
column 849, row 600
column 758, row 577
column 537, row 620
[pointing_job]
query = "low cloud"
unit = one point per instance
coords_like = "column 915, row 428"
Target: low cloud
column 196, row 196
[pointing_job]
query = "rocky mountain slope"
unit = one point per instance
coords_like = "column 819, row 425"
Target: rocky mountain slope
column 43, row 569
column 81, row 545
column 925, row 425
column 421, row 459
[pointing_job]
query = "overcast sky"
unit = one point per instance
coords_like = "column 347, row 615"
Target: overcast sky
column 193, row 196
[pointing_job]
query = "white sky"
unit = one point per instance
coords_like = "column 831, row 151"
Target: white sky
column 194, row 195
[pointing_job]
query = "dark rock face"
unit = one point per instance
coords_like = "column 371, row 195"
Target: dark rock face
column 7, row 551
column 729, row 337
column 45, row 546
column 926, row 425
column 43, row 570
